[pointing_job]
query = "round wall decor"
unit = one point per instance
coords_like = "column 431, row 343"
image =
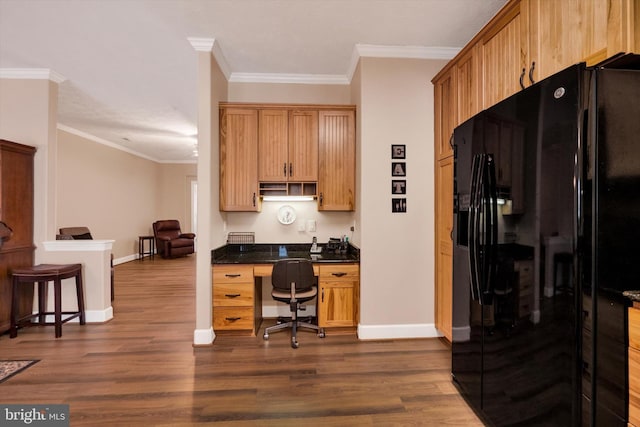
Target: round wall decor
column 286, row 215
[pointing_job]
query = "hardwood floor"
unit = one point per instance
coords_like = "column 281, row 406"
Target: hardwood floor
column 141, row 368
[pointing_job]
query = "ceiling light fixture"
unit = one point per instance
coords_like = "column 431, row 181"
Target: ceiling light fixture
column 287, row 198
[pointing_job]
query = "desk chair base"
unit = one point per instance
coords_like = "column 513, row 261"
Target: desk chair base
column 294, row 324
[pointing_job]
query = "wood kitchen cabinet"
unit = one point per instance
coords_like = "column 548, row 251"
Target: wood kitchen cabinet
column 338, row 295
column 525, row 42
column 564, row 33
column 445, row 118
column 237, row 299
column 468, row 90
column 504, row 50
column 287, row 150
column 337, row 160
column 444, row 248
column 239, row 189
column 16, row 211
column 288, row 145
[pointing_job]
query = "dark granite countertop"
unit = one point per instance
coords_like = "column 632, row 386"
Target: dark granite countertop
column 269, row 253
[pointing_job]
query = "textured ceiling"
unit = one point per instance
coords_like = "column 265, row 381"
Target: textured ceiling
column 130, row 70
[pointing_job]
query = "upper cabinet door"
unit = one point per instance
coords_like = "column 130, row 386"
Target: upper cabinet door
column 445, row 113
column 239, row 159
column 504, row 53
column 337, row 164
column 273, row 145
column 303, row 145
column 566, row 32
column 468, row 85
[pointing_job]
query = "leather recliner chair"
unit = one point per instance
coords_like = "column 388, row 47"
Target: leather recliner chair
column 171, row 242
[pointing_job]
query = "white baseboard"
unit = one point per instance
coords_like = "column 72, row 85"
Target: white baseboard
column 203, row 336
column 124, row 259
column 372, row 332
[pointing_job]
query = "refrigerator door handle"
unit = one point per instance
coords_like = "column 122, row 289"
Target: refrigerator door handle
column 491, row 227
column 472, row 230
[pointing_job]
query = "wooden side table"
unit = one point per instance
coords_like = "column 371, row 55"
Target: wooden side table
column 152, row 246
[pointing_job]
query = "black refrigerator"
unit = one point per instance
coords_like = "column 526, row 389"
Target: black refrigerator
column 546, row 238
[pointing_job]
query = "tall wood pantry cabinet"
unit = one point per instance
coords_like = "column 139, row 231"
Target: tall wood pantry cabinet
column 16, row 211
column 525, row 42
column 280, row 150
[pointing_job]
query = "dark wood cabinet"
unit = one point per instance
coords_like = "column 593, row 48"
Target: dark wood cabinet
column 16, row 211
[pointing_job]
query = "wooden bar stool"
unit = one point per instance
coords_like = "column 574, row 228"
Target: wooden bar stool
column 42, row 274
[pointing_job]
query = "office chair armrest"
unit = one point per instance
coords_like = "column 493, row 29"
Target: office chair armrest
column 187, row 235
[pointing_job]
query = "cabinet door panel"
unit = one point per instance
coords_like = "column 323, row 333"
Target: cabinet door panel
column 337, row 302
column 337, row 175
column 303, row 146
column 444, row 246
column 239, row 160
column 504, row 53
column 468, row 86
column 273, row 142
column 445, row 113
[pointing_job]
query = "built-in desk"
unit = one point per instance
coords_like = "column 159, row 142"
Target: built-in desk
column 237, row 272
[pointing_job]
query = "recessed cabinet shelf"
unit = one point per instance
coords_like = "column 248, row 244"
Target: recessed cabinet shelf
column 288, row 189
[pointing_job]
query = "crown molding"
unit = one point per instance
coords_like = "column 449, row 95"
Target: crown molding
column 408, row 52
column 31, row 73
column 94, row 138
column 312, row 79
column 202, row 44
column 359, row 51
column 417, row 52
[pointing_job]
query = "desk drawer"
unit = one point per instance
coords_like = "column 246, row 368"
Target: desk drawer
column 232, row 274
column 233, row 318
column 340, row 272
column 233, row 294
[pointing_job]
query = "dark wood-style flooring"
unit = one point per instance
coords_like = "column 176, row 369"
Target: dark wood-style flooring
column 140, row 369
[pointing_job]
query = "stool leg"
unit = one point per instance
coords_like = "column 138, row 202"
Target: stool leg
column 80, row 296
column 57, row 284
column 42, row 301
column 14, row 310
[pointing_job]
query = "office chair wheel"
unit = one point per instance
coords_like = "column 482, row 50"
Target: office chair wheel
column 265, row 336
column 321, row 334
column 294, row 343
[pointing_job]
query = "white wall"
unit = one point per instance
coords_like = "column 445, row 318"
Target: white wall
column 397, row 249
column 116, row 194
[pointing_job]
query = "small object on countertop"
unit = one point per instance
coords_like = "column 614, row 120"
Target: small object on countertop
column 282, row 251
column 314, row 247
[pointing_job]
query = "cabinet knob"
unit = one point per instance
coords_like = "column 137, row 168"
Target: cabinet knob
column 321, row 198
column 339, row 274
column 254, row 199
column 232, row 319
column 524, row 70
column 290, row 169
column 232, row 295
column 232, row 275
column 284, row 169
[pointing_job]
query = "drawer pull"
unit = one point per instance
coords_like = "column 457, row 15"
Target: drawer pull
column 232, row 295
column 232, row 275
column 339, row 274
column 232, row 319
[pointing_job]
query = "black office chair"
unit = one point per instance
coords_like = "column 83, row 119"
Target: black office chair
column 293, row 283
